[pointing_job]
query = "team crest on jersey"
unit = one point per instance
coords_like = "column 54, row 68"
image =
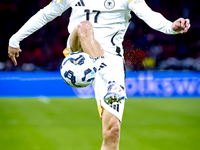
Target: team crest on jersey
column 109, row 4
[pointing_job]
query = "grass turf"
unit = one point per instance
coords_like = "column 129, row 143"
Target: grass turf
column 74, row 124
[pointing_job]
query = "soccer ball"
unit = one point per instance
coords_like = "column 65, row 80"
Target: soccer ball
column 78, row 69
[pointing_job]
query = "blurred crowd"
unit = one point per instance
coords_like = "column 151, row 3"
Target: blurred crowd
column 145, row 48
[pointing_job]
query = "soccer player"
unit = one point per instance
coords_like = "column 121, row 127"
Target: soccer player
column 97, row 27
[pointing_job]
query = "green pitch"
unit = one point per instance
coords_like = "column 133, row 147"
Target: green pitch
column 74, row 124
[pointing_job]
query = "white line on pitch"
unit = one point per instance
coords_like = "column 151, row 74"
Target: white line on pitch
column 43, row 99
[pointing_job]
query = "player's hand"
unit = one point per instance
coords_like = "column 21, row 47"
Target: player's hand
column 13, row 53
column 181, row 25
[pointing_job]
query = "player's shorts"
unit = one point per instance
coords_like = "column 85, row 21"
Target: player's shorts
column 116, row 63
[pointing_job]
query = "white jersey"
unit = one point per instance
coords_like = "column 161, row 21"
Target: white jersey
column 110, row 20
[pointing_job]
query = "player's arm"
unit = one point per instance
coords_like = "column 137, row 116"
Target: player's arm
column 41, row 18
column 157, row 21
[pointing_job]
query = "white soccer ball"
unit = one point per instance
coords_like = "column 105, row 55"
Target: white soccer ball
column 78, row 69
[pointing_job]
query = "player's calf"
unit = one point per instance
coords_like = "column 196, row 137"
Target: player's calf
column 87, row 41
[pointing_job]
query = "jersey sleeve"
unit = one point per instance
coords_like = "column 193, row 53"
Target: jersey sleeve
column 42, row 17
column 154, row 19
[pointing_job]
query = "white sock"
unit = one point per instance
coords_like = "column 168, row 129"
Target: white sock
column 104, row 70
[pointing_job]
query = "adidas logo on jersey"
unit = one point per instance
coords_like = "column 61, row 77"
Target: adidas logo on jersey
column 80, row 3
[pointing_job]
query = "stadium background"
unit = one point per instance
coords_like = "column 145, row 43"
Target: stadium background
column 144, row 48
column 39, row 111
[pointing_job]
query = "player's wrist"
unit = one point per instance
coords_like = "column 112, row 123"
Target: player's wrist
column 170, row 29
column 13, row 42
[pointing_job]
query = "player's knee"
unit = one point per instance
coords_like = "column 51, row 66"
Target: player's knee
column 111, row 134
column 85, row 29
column 115, row 130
